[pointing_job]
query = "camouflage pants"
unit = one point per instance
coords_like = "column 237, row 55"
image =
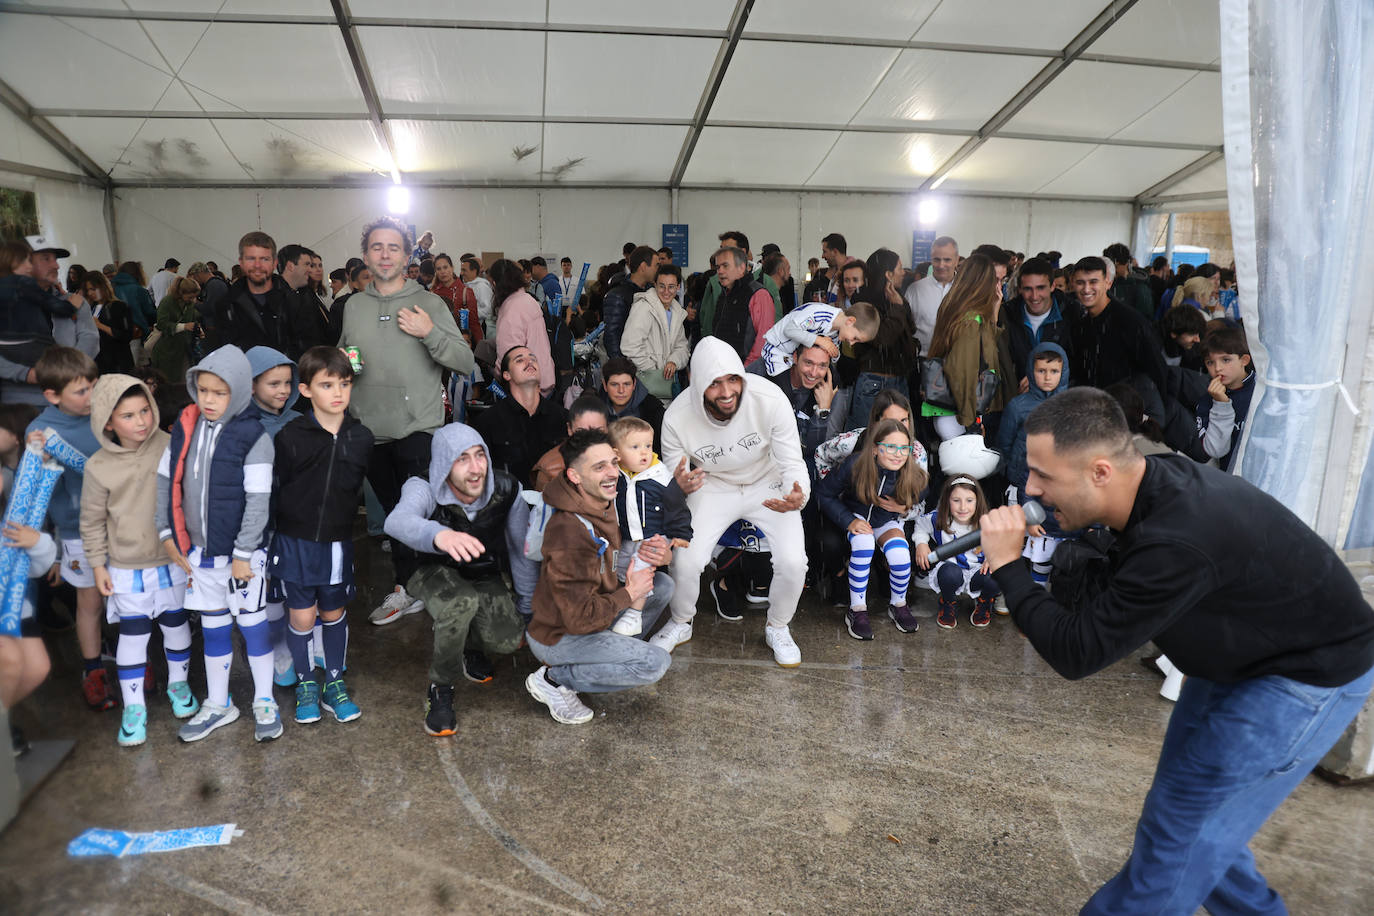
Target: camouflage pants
column 482, row 608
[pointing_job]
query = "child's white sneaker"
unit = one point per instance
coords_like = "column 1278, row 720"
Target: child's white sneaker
column 630, row 623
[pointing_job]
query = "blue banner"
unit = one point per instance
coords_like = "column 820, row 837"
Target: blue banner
column 921, row 242
column 675, row 237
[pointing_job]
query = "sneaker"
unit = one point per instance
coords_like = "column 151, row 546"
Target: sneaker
column 629, row 623
column 726, row 605
column 1001, row 606
column 982, row 612
column 946, row 616
column 183, row 702
column 856, row 622
column 307, row 702
column 133, row 728
column 96, row 687
column 18, row 743
column 563, row 703
column 901, row 615
column 672, row 635
column 336, row 700
column 207, row 720
column 1172, row 685
column 266, row 720
column 785, row 651
column 440, row 719
column 397, row 605
column 283, row 668
column 477, row 667
column 758, row 593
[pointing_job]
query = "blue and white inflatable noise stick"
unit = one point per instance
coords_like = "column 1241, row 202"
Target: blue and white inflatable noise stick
column 100, row 842
column 66, row 454
column 33, row 486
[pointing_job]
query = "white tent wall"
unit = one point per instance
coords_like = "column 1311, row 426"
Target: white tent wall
column 593, row 224
column 72, row 214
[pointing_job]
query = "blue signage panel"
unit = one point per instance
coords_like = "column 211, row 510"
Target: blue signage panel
column 675, row 237
column 921, row 242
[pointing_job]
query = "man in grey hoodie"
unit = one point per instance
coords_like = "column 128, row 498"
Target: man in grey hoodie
column 467, row 524
column 213, row 501
column 407, row 338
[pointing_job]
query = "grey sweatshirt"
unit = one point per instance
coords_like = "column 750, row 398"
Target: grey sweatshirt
column 230, row 364
column 410, row 521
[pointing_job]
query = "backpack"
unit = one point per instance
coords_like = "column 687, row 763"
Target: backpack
column 540, row 515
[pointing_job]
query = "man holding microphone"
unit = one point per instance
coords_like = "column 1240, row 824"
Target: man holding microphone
column 1246, row 600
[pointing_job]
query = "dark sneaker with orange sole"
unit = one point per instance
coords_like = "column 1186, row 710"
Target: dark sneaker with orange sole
column 946, row 615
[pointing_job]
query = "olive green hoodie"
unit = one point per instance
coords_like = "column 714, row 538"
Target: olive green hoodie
column 400, row 390
column 119, row 494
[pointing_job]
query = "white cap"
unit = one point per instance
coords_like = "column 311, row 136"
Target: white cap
column 47, row 243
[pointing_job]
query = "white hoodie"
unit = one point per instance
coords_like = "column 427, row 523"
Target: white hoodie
column 759, row 442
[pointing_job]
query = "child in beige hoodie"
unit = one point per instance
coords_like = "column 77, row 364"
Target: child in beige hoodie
column 119, row 535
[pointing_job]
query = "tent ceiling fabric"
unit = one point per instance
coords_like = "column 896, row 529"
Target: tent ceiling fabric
column 578, row 92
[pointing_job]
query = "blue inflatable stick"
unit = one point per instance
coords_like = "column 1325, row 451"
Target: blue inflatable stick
column 119, row 843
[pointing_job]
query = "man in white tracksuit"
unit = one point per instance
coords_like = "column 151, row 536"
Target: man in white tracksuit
column 739, row 434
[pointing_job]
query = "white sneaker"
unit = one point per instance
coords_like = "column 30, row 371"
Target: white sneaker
column 629, row 624
column 1172, row 685
column 563, row 703
column 672, row 635
column 785, row 651
column 397, row 605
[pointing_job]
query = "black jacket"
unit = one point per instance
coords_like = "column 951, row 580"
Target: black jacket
column 643, row 405
column 1117, row 344
column 313, row 323
column 1021, row 341
column 241, row 321
column 615, row 310
column 515, row 440
column 317, row 478
column 893, row 351
column 732, row 321
column 1227, row 582
column 488, row 526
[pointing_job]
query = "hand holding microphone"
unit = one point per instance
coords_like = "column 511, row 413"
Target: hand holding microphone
column 998, row 521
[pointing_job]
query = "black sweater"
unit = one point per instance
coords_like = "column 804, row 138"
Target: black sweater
column 317, row 478
column 1227, row 582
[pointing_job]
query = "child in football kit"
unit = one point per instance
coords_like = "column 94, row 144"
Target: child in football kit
column 275, row 392
column 214, row 498
column 819, row 325
column 870, row 496
column 961, row 505
column 130, row 568
column 321, row 461
column 65, row 376
column 648, row 502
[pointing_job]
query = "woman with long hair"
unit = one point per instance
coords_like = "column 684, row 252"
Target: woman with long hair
column 114, row 321
column 966, row 339
column 177, row 315
column 520, row 320
column 887, row 359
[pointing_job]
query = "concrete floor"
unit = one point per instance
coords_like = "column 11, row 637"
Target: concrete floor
column 731, row 786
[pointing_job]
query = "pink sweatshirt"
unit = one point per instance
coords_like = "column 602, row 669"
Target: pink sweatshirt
column 520, row 323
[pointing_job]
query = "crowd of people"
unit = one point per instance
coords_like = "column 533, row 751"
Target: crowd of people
column 551, row 469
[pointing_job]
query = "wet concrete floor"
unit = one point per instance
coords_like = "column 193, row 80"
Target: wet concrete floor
column 936, row 772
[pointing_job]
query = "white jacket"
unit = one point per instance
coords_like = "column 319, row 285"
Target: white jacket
column 759, row 443
column 650, row 340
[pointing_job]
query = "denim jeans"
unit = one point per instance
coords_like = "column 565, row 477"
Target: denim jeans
column 866, row 389
column 1231, row 755
column 606, row 662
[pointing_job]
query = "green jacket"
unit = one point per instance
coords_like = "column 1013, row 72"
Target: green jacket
column 706, row 315
column 400, row 390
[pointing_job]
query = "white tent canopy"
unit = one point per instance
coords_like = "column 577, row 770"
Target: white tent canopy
column 1076, row 99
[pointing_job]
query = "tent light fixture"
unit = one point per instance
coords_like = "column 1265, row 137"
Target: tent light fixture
column 398, row 200
column 928, row 211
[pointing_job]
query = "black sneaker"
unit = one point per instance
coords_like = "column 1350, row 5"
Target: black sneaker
column 440, row 719
column 758, row 592
column 477, row 667
column 856, row 622
column 18, row 741
column 726, row 605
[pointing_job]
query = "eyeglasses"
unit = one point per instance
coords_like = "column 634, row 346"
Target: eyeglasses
column 891, row 448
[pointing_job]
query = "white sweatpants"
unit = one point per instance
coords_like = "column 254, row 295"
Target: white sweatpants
column 714, row 508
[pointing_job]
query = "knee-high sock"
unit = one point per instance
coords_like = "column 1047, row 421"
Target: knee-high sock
column 258, row 640
column 276, row 622
column 335, row 647
column 299, row 641
column 860, row 561
column 131, row 655
column 217, row 627
column 176, row 644
column 317, row 641
column 898, row 556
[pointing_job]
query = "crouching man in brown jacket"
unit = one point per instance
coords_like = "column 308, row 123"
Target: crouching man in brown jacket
column 579, row 597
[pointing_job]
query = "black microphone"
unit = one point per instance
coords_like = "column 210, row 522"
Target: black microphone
column 1035, row 515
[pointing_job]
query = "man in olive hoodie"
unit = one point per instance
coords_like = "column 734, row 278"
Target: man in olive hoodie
column 406, row 338
column 579, row 597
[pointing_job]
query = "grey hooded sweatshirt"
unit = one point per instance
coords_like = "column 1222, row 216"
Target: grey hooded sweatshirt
column 230, row 364
column 411, row 524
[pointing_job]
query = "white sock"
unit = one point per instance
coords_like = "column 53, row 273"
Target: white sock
column 218, row 658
